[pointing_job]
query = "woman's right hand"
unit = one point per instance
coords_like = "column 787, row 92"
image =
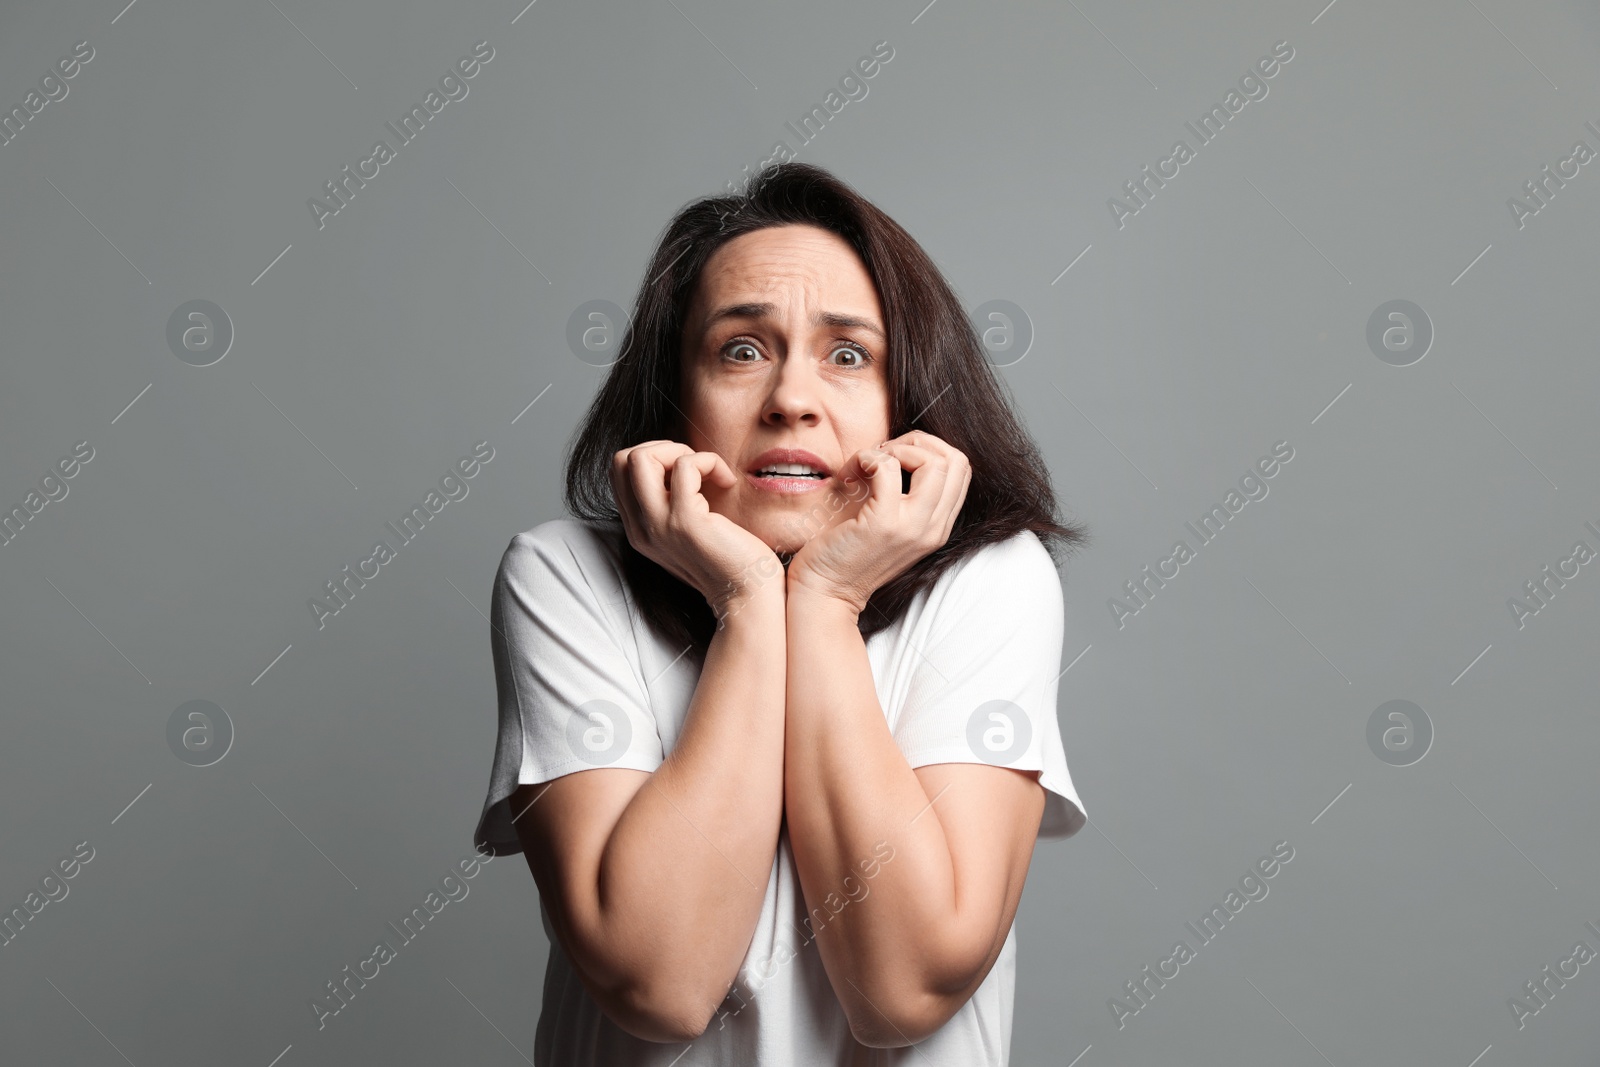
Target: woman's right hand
column 657, row 485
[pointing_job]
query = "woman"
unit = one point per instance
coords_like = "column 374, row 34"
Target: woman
column 800, row 645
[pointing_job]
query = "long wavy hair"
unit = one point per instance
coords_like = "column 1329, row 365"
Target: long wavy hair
column 939, row 381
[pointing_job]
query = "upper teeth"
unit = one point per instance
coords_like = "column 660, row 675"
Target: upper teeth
column 789, row 468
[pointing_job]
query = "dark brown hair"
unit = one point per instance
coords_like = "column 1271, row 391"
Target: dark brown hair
column 938, row 380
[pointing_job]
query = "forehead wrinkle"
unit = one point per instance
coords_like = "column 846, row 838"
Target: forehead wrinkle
column 766, row 273
column 765, row 310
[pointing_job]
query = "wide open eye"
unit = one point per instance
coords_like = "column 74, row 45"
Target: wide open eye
column 735, row 345
column 863, row 357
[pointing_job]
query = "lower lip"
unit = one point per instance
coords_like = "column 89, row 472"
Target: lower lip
column 788, row 484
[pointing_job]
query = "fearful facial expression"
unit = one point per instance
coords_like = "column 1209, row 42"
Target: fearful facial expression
column 784, row 347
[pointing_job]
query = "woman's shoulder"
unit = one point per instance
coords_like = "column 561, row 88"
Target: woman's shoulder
column 989, row 594
column 569, row 531
column 563, row 543
column 1003, row 581
column 1018, row 561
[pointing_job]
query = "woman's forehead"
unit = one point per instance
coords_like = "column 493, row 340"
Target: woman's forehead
column 767, row 272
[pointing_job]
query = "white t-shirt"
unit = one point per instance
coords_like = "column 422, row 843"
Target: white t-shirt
column 567, row 635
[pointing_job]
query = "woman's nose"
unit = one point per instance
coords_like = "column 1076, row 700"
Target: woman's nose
column 794, row 390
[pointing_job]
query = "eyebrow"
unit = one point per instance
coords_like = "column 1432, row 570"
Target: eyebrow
column 766, row 310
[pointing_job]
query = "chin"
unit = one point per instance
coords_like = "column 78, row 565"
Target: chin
column 781, row 534
column 785, row 542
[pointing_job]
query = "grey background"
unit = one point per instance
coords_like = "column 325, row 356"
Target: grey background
column 1228, row 314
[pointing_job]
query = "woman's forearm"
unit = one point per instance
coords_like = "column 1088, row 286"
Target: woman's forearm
column 684, row 873
column 849, row 788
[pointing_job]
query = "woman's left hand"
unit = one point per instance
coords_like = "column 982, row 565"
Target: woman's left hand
column 892, row 530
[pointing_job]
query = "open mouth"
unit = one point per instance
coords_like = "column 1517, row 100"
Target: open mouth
column 771, row 473
column 788, row 478
column 788, row 471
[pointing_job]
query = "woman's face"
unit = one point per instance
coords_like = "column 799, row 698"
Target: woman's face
column 784, row 346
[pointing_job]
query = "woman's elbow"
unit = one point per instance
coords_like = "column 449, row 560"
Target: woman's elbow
column 897, row 1029
column 662, row 1014
column 650, row 995
column 894, row 1018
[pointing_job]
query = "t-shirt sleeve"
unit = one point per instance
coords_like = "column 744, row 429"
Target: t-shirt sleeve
column 570, row 699
column 985, row 689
